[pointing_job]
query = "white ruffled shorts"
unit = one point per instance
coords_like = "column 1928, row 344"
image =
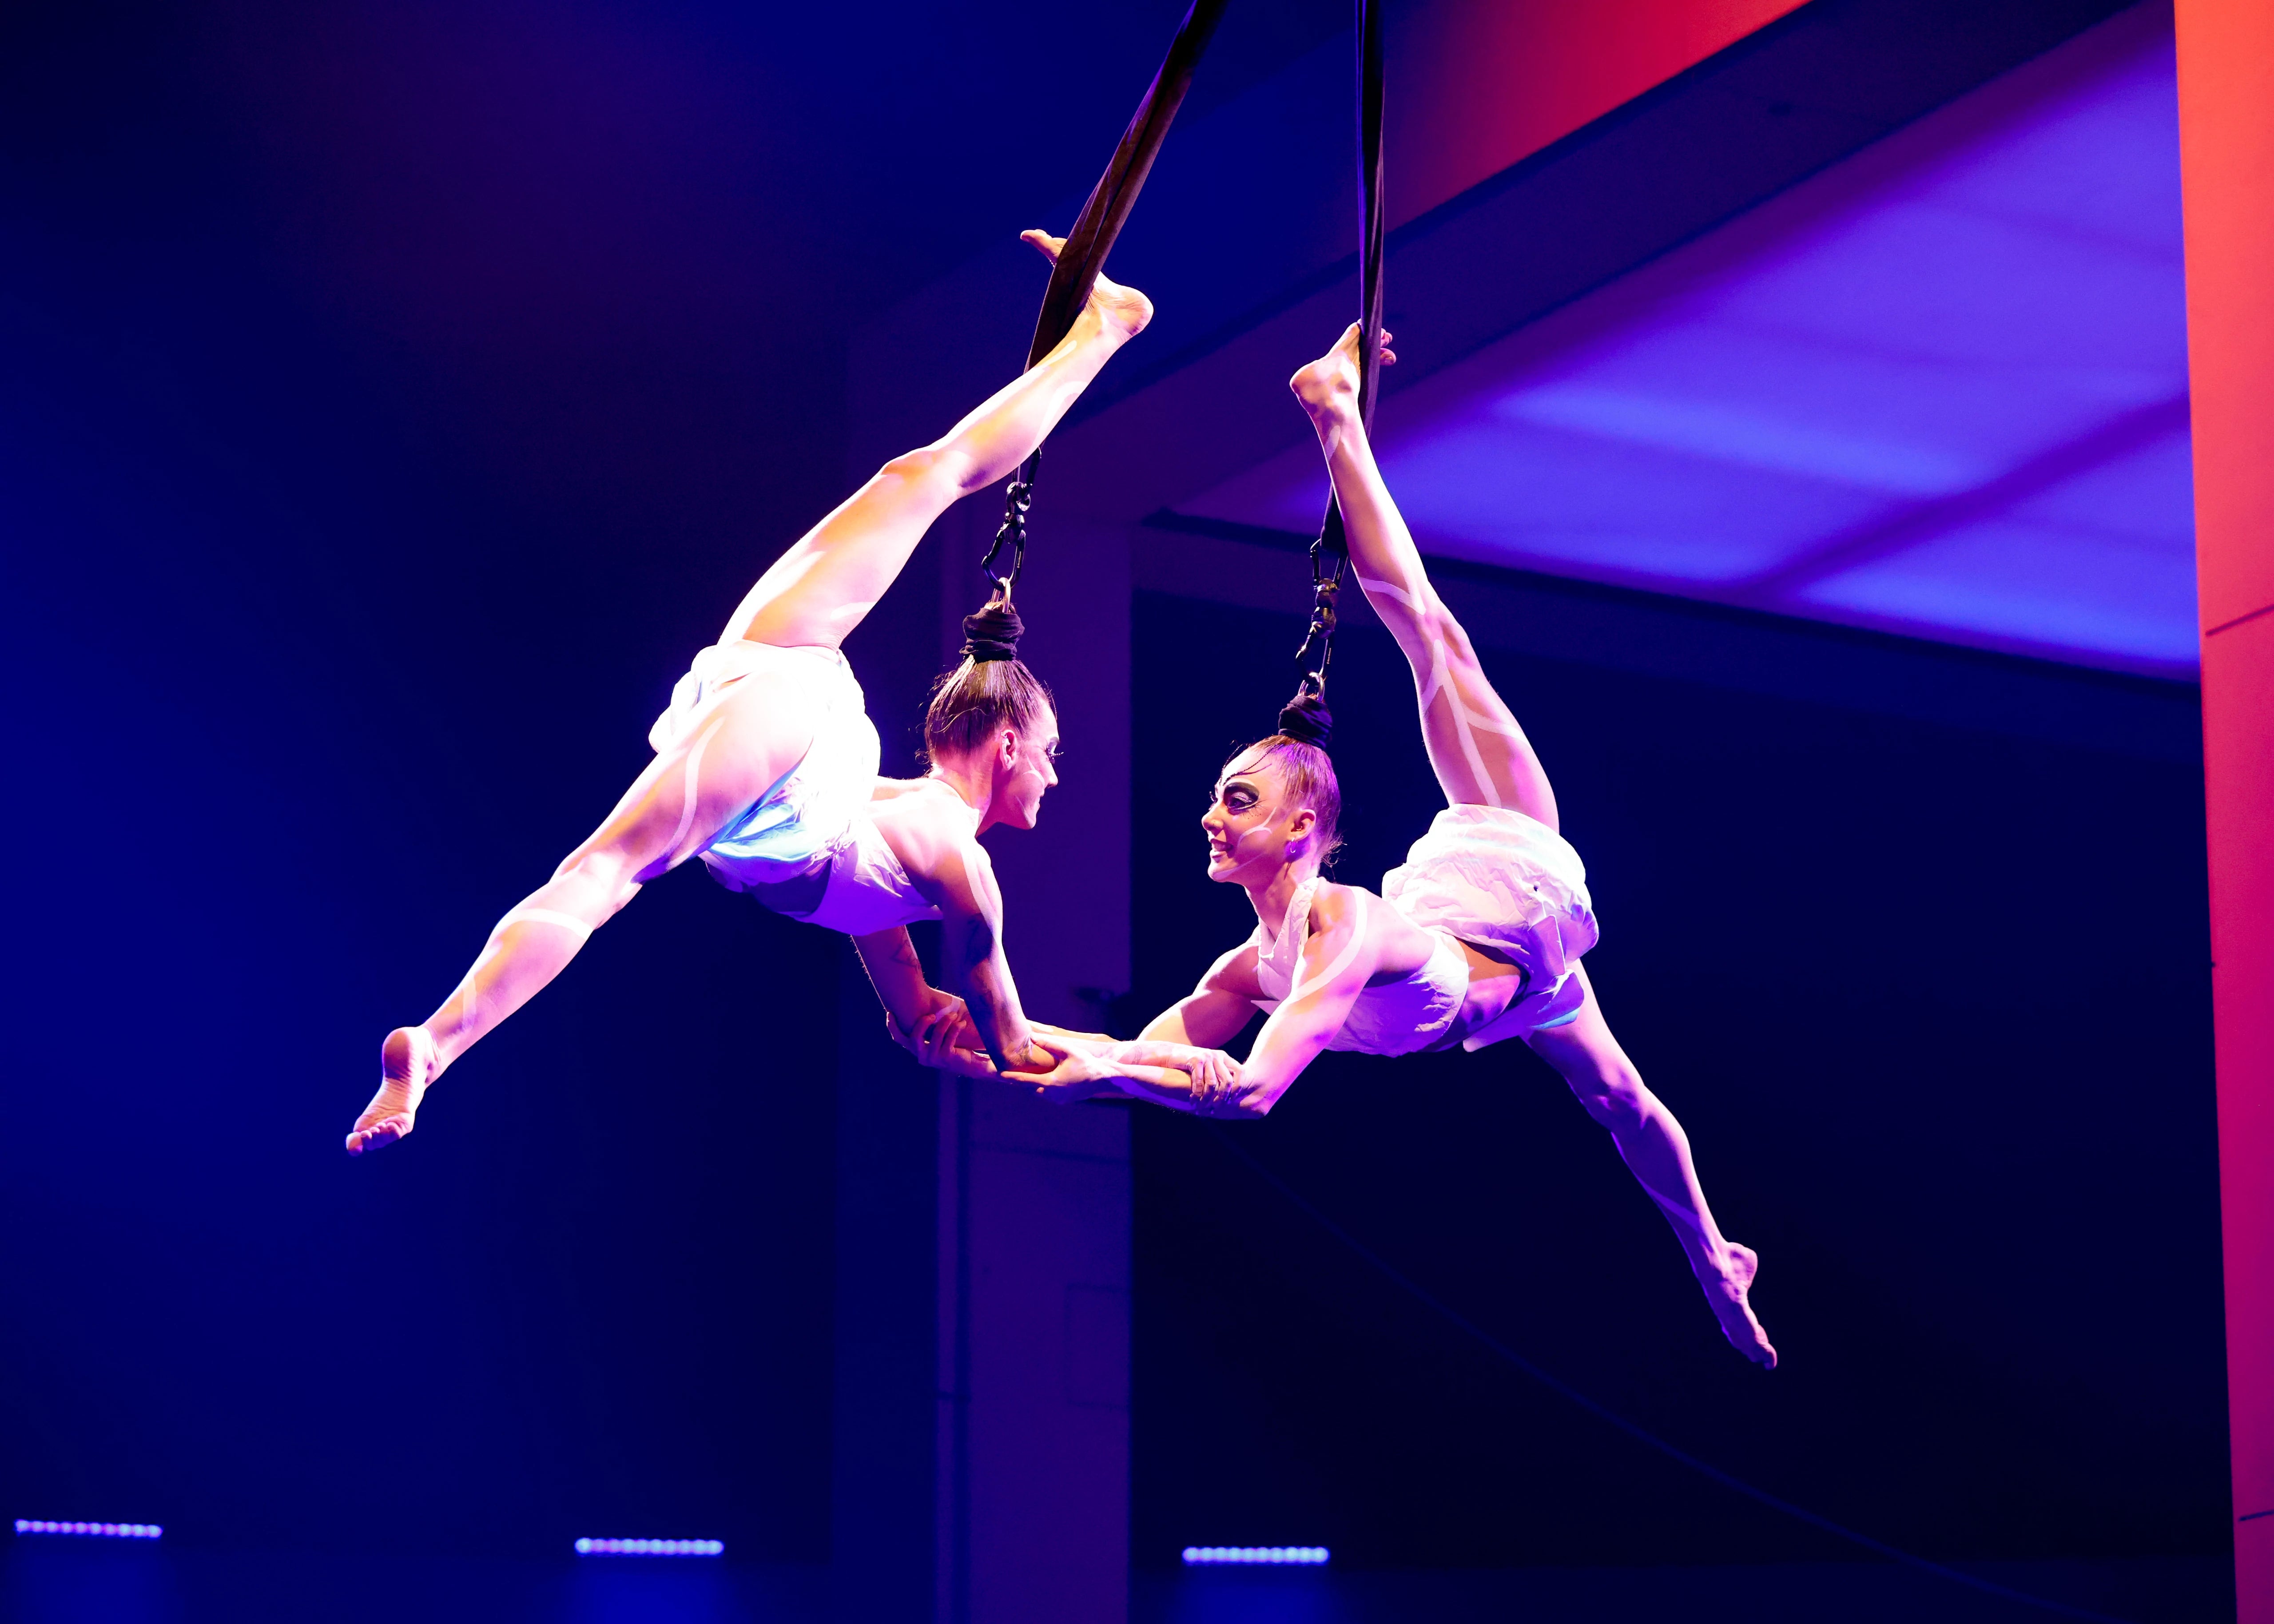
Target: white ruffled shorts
column 1492, row 876
column 809, row 815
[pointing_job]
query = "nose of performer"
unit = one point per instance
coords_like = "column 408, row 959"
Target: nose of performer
column 1219, row 835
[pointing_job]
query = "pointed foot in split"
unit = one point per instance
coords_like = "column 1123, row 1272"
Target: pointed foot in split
column 1331, row 380
column 1727, row 1292
column 406, row 1065
column 1123, row 310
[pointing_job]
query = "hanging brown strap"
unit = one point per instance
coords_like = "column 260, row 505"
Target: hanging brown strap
column 1092, row 238
column 1330, row 552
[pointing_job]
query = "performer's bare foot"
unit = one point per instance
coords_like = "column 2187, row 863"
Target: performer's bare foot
column 1726, row 1292
column 1330, row 383
column 1123, row 310
column 407, row 1063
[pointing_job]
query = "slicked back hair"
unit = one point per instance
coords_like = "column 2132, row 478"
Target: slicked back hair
column 1306, row 777
column 975, row 702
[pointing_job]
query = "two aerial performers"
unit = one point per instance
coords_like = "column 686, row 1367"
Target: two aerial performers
column 766, row 768
column 766, row 765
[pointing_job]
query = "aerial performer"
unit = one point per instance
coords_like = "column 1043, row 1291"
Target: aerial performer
column 1476, row 938
column 766, row 767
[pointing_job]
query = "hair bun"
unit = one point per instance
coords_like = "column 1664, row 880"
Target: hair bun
column 992, row 633
column 1307, row 720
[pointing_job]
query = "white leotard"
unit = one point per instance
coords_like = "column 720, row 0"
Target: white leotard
column 1396, row 1018
column 807, row 848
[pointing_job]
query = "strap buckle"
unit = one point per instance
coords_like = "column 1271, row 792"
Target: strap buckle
column 1016, row 498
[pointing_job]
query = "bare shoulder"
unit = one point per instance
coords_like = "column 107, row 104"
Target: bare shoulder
column 1336, row 907
column 928, row 827
column 891, row 790
column 1390, row 943
column 1234, row 973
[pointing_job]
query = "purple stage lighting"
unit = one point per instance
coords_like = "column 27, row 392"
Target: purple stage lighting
column 95, row 1530
column 1299, row 1556
column 651, row 1547
column 1940, row 388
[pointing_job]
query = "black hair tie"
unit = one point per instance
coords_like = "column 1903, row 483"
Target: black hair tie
column 992, row 633
column 1307, row 720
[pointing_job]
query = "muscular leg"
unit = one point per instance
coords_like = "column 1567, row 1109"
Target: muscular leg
column 819, row 591
column 814, row 594
column 1657, row 1152
column 1481, row 756
column 760, row 729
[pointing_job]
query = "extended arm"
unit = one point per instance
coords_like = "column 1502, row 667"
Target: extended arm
column 897, row 975
column 1087, row 1064
column 1338, row 959
column 971, row 955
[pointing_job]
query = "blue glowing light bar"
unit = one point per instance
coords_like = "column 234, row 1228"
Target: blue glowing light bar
column 98, row 1531
column 651, row 1547
column 1305, row 1556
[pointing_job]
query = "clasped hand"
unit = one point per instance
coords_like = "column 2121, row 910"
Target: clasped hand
column 1079, row 1068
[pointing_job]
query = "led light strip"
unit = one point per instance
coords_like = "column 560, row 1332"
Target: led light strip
column 1205, row 1556
column 99, row 1530
column 651, row 1547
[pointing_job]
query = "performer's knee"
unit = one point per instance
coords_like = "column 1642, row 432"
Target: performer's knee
column 1612, row 1093
column 602, row 875
column 928, row 465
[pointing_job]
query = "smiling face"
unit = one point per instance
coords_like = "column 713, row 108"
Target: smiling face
column 1025, row 770
column 1254, row 828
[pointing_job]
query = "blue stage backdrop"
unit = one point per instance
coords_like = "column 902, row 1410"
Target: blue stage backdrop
column 393, row 397
column 391, row 400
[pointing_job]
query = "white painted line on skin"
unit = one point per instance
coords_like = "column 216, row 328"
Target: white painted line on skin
column 1349, row 956
column 1681, row 1215
column 1438, row 683
column 693, row 771
column 1492, row 723
column 546, row 916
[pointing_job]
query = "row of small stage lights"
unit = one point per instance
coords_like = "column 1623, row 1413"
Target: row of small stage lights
column 1195, row 1556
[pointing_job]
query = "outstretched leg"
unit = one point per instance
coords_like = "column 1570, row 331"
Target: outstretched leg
column 1481, row 756
column 1657, row 1152
column 759, row 728
column 820, row 589
column 814, row 594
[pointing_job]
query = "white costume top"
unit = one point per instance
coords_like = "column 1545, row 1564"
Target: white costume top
column 1487, row 875
column 1396, row 1018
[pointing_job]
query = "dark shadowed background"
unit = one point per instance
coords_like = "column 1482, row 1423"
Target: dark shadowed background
column 392, row 398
